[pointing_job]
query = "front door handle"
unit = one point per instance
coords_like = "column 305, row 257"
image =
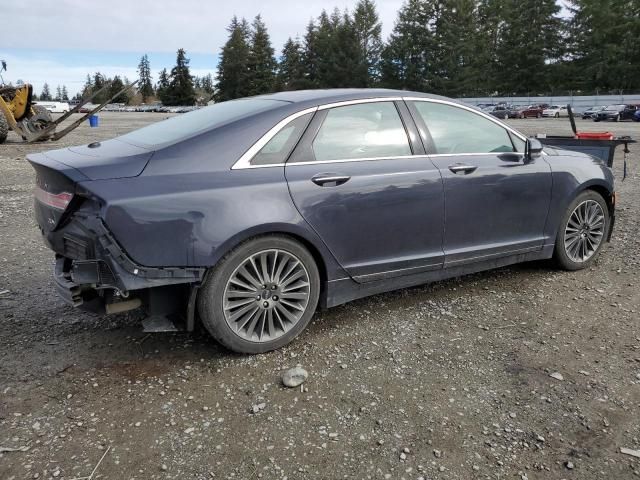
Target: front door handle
column 330, row 179
column 461, row 168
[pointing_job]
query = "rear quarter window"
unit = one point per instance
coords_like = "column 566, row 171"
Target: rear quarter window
column 198, row 121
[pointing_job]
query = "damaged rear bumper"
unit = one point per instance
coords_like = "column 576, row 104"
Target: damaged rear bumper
column 91, row 269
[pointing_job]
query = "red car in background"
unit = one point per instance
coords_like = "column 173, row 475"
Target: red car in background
column 534, row 111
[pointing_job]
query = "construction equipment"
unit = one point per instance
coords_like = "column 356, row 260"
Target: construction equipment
column 34, row 123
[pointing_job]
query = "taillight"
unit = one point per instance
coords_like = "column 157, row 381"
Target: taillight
column 59, row 201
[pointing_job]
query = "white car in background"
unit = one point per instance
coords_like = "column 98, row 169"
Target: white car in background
column 54, row 107
column 556, row 111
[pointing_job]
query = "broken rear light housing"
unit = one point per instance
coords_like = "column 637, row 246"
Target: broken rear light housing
column 59, row 201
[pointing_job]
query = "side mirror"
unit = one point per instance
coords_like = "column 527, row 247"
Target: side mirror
column 532, row 149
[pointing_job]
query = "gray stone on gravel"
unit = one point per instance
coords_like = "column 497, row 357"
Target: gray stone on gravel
column 294, row 377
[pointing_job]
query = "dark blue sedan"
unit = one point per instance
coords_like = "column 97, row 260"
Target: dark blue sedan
column 249, row 214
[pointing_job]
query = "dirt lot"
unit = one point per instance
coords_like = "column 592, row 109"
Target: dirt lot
column 445, row 381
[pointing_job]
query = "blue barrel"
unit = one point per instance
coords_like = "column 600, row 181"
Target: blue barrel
column 93, row 121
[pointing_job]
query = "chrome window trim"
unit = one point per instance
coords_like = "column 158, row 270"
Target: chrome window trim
column 245, row 160
column 358, row 101
column 366, row 159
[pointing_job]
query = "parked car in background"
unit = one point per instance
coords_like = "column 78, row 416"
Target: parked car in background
column 556, row 111
column 532, row 111
column 616, row 113
column 54, row 107
column 283, row 202
column 591, row 111
column 503, row 112
column 636, row 116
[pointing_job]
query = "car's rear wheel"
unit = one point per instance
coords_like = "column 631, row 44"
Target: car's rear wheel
column 557, row 115
column 506, row 116
column 582, row 231
column 261, row 295
column 539, row 115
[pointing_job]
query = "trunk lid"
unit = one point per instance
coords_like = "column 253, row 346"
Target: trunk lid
column 104, row 160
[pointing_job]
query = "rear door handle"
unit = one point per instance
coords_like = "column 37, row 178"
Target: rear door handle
column 461, row 168
column 330, row 179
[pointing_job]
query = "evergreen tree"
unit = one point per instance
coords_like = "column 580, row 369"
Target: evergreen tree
column 34, row 97
column 368, row 32
column 261, row 64
column 291, row 74
column 233, row 68
column 145, row 86
column 206, row 83
column 528, row 44
column 605, row 51
column 407, row 57
column 65, row 94
column 115, row 87
column 46, row 93
column 338, row 52
column 455, row 68
column 163, row 85
column 58, row 96
column 310, row 56
column 88, row 86
column 180, row 90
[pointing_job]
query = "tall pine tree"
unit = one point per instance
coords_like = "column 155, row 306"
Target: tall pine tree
column 261, row 64
column 46, row 93
column 145, row 85
column 163, row 85
column 528, row 44
column 408, row 56
column 233, row 68
column 368, row 33
column 180, row 90
column 291, row 73
column 605, row 47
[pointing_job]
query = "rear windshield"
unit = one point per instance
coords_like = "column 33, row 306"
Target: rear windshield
column 190, row 124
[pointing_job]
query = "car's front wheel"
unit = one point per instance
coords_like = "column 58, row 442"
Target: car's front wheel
column 261, row 295
column 582, row 231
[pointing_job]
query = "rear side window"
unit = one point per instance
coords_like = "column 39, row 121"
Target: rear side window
column 190, row 124
column 280, row 146
column 368, row 130
column 456, row 130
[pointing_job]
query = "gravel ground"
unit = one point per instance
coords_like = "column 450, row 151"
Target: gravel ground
column 519, row 373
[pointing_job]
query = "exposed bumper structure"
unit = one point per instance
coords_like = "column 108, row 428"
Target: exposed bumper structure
column 91, row 266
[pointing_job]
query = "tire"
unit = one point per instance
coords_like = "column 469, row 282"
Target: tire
column 568, row 253
column 506, row 116
column 42, row 113
column 557, row 115
column 618, row 118
column 268, row 322
column 4, row 128
column 539, row 115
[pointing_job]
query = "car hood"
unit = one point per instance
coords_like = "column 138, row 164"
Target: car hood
column 104, row 160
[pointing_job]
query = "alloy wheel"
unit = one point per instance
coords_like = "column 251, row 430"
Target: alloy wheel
column 584, row 231
column 266, row 295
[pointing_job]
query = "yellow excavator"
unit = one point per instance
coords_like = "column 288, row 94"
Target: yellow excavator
column 34, row 123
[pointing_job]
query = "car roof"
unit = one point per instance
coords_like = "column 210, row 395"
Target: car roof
column 321, row 97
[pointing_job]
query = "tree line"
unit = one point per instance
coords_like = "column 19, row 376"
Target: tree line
column 458, row 48
column 451, row 47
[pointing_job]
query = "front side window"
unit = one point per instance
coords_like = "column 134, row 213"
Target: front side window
column 280, row 146
column 368, row 130
column 456, row 130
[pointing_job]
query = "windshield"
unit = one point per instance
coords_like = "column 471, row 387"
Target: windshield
column 614, row 108
column 190, row 124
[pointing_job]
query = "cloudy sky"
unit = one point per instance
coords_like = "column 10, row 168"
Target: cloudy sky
column 60, row 41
